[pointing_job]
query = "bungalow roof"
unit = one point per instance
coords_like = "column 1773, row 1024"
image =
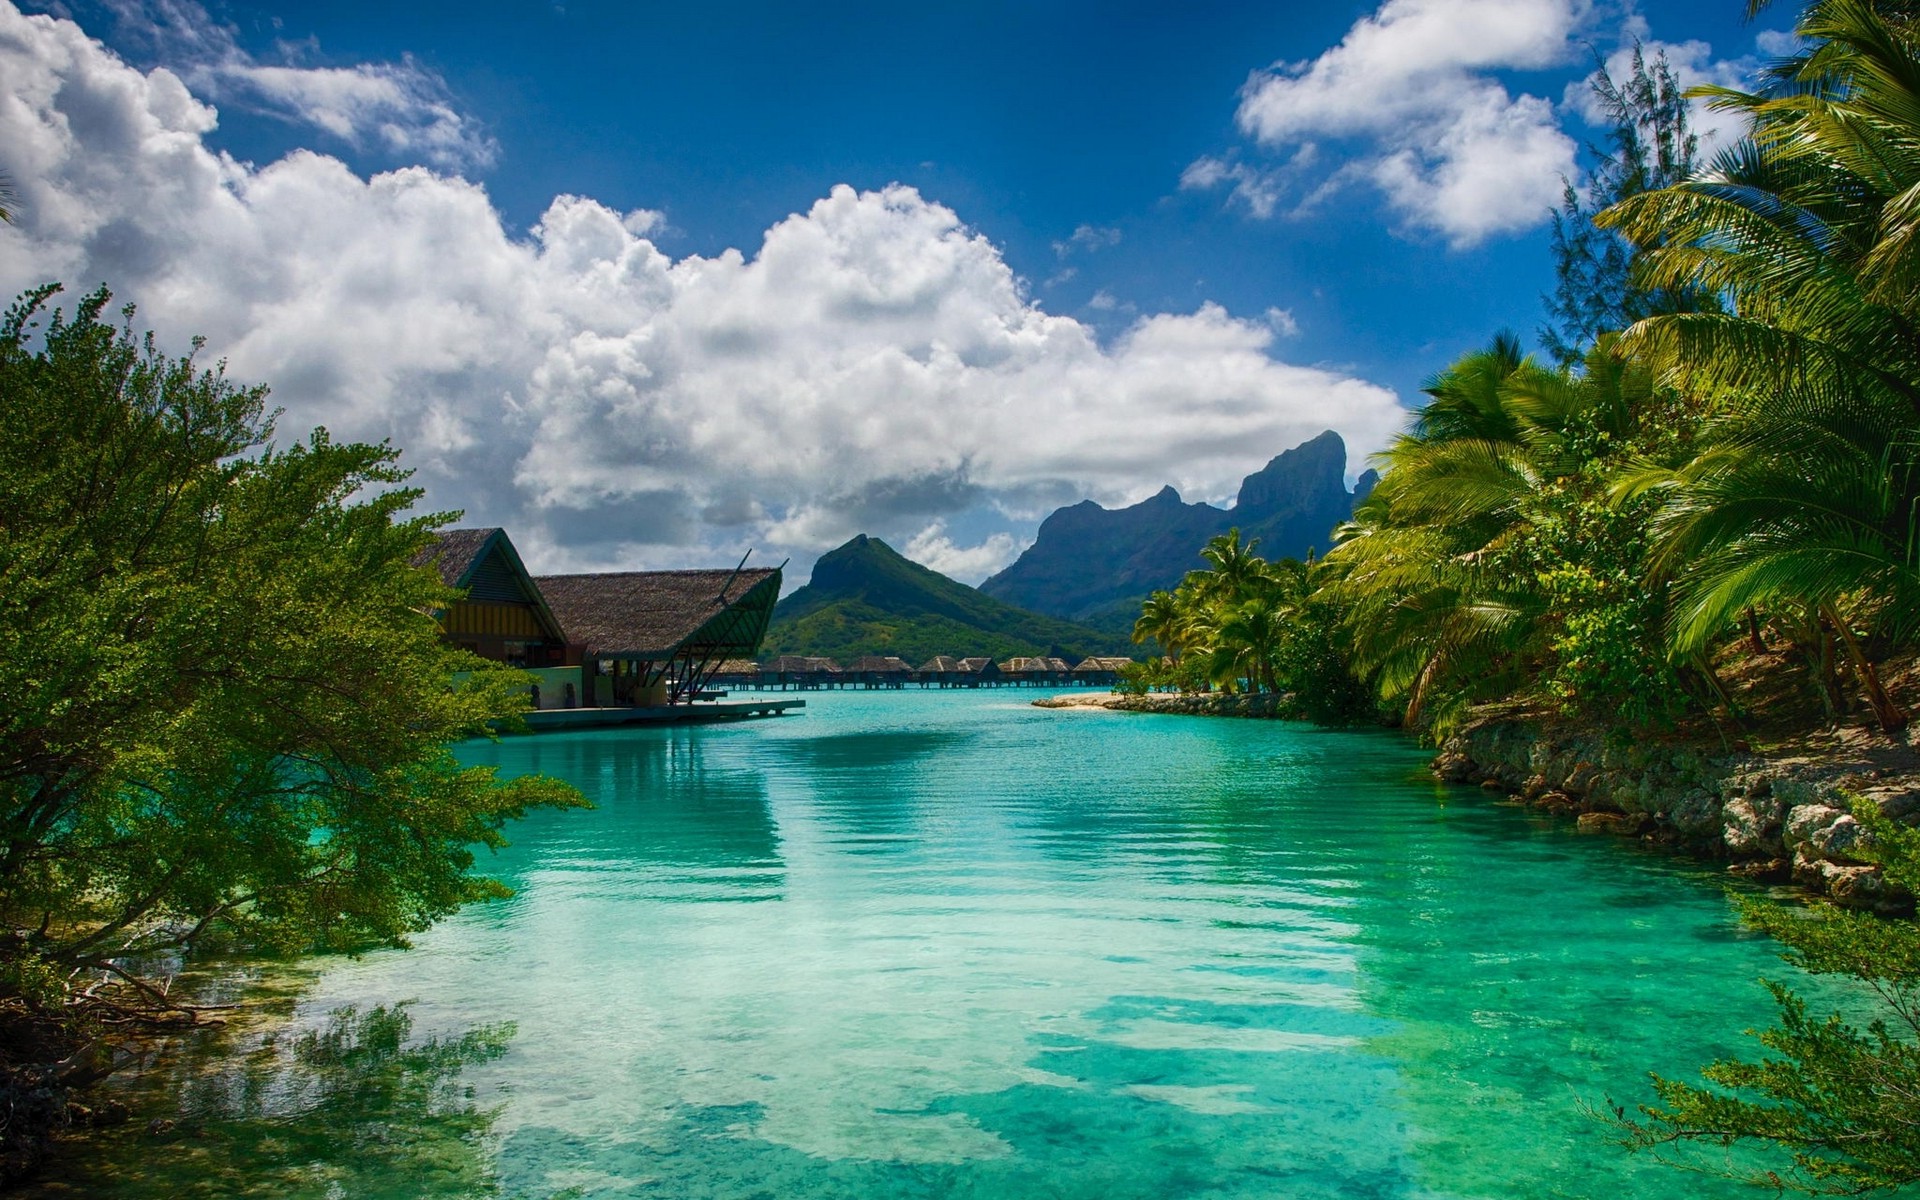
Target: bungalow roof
column 653, row 615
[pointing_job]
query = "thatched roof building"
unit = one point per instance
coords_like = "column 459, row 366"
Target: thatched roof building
column 671, row 627
column 796, row 664
column 940, row 664
column 653, row 615
column 503, row 614
column 875, row 664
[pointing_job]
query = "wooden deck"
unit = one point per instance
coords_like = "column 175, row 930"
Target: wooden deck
column 551, row 719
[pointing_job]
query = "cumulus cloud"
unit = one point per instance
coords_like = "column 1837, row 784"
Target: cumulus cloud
column 931, row 547
column 401, row 108
column 1452, row 149
column 874, row 365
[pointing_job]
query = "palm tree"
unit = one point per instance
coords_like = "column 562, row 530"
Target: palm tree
column 1163, row 619
column 1806, row 489
column 1236, row 569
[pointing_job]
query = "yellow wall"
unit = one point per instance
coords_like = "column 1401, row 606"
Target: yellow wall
column 502, row 620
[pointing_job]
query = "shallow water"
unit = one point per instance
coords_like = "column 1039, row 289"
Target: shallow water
column 947, row 944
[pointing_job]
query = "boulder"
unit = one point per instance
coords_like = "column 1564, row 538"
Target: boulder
column 1751, row 825
column 1618, row 824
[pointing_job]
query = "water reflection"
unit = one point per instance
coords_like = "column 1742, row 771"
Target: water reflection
column 1101, row 957
column 673, row 813
column 355, row 1106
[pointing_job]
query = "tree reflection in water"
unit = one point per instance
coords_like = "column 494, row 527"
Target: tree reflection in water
column 356, row 1107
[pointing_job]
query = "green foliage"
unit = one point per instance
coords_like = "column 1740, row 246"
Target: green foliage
column 1835, row 1099
column 1651, row 146
column 1491, row 561
column 1248, row 624
column 224, row 705
column 1805, row 490
column 865, row 598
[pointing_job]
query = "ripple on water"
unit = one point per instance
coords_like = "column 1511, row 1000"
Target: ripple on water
column 949, row 945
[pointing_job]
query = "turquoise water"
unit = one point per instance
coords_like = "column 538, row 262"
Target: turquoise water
column 947, row 944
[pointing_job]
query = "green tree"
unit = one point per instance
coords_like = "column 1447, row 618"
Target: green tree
column 1836, row 1100
column 1489, row 562
column 1806, row 487
column 225, row 709
column 1651, row 145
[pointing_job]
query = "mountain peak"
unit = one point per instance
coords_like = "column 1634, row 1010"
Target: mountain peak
column 1094, row 564
column 865, row 597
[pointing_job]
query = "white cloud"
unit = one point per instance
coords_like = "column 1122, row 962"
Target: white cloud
column 1453, row 150
column 1088, row 238
column 1282, row 322
column 932, row 548
column 1259, row 190
column 874, row 366
column 401, row 108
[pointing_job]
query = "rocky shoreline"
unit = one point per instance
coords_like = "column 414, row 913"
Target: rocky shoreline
column 1779, row 815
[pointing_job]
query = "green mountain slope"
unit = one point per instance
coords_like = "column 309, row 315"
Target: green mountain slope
column 865, row 598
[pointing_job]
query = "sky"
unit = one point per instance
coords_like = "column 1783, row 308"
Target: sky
column 655, row 285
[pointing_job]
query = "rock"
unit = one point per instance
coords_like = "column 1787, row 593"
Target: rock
column 1808, row 826
column 1557, row 802
column 1618, row 824
column 1764, row 870
column 1894, row 803
column 1751, row 826
column 1695, row 814
column 161, row 1126
column 1454, row 767
column 1849, row 885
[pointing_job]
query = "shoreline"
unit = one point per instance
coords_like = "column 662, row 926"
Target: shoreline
column 1266, row 706
column 1777, row 816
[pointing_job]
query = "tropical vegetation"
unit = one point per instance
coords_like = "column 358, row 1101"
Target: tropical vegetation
column 225, row 710
column 1718, row 473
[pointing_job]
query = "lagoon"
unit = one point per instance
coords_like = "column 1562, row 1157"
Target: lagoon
column 946, row 944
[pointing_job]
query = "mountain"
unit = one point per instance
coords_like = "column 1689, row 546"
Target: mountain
column 1094, row 565
column 864, row 598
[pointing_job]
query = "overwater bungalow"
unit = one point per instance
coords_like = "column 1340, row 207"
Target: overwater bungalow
column 879, row 671
column 657, row 637
column 794, row 672
column 942, row 670
column 1100, row 671
column 736, row 673
column 978, row 672
column 1023, row 670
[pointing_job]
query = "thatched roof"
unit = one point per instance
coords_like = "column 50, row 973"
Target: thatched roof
column 654, row 614
column 794, row 664
column 976, row 664
column 941, row 664
column 1028, row 666
column 1098, row 663
column 738, row 666
column 455, row 552
column 874, row 664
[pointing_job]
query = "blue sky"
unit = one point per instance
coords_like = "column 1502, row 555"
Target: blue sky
column 1133, row 243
